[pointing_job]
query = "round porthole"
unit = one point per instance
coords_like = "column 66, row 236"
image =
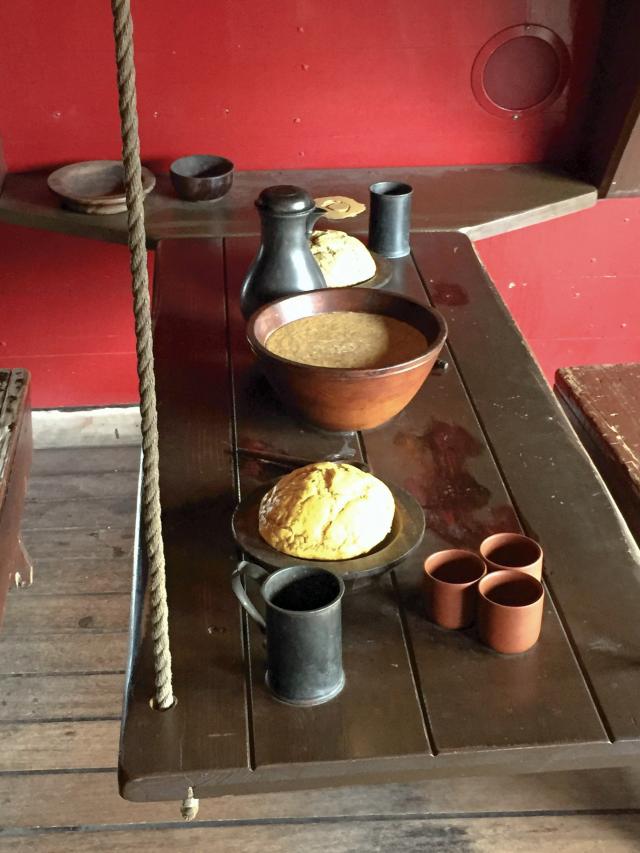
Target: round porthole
column 521, row 70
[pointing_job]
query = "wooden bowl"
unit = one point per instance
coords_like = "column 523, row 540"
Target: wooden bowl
column 201, row 177
column 95, row 186
column 346, row 399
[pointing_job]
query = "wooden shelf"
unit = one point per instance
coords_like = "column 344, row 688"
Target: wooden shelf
column 481, row 201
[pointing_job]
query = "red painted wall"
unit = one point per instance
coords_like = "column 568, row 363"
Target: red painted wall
column 67, row 317
column 573, row 284
column 299, row 83
column 293, row 83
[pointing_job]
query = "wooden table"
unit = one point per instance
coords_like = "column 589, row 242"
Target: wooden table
column 483, row 447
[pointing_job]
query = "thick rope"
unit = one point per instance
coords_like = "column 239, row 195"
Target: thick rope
column 123, row 33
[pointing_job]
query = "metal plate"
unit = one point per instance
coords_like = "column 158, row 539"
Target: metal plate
column 384, row 270
column 406, row 534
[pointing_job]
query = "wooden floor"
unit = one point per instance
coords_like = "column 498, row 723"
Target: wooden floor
column 62, row 655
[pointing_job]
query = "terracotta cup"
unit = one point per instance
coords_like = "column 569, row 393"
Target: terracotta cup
column 450, row 587
column 512, row 551
column 510, row 606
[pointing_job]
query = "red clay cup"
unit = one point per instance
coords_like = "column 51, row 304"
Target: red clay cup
column 512, row 551
column 450, row 587
column 510, row 606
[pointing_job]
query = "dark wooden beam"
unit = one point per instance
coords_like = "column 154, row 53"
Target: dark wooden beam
column 610, row 154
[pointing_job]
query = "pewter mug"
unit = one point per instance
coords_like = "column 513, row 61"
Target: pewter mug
column 390, row 218
column 303, row 628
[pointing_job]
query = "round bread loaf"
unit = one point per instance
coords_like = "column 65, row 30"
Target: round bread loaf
column 326, row 511
column 344, row 260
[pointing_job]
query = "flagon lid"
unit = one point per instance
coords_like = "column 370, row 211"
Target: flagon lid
column 285, row 199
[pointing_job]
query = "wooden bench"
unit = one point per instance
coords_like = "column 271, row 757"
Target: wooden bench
column 16, row 447
column 603, row 405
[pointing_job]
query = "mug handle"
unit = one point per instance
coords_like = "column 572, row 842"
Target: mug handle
column 258, row 574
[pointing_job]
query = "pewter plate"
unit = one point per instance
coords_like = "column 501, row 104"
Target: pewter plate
column 384, row 271
column 406, row 534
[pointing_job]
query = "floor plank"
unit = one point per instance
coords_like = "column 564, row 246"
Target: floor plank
column 51, row 697
column 96, row 486
column 79, row 544
column 44, row 614
column 574, row 834
column 77, row 799
column 92, row 460
column 90, row 513
column 72, row 577
column 62, row 653
column 59, row 746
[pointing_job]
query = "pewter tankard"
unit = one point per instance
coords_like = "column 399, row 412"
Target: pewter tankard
column 303, row 627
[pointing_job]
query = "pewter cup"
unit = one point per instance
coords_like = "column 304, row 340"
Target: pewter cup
column 303, row 627
column 390, row 218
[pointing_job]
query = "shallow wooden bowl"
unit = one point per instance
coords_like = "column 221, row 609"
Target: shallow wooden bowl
column 337, row 398
column 95, row 186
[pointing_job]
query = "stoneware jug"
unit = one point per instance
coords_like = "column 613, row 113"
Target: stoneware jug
column 284, row 264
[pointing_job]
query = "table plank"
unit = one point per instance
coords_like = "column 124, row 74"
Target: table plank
column 591, row 562
column 207, row 728
column 372, row 648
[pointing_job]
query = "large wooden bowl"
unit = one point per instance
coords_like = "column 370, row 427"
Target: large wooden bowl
column 337, row 398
